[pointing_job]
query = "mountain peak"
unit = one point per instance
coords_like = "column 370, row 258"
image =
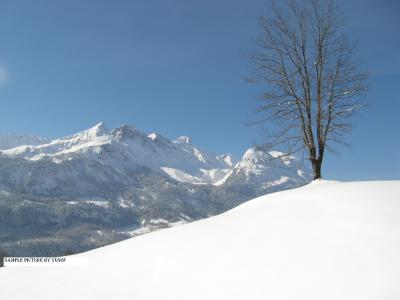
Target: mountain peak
column 252, row 154
column 228, row 159
column 152, row 136
column 127, row 132
column 184, row 140
column 158, row 138
column 99, row 129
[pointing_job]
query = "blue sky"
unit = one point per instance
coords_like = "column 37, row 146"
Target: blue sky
column 177, row 67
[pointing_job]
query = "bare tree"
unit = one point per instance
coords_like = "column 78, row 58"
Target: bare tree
column 313, row 83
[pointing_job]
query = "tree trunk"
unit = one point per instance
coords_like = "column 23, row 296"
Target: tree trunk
column 316, row 165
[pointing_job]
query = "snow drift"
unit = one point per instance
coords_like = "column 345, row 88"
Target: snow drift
column 327, row 240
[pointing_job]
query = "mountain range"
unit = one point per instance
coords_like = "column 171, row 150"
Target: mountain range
column 99, row 186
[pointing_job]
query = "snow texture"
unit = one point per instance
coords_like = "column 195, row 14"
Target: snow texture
column 326, row 240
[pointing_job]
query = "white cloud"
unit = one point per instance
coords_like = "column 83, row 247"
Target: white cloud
column 4, row 75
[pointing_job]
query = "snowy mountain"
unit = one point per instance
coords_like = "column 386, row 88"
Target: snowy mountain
column 123, row 182
column 125, row 148
column 327, row 240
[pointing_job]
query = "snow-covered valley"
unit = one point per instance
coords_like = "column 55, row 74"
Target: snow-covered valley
column 326, row 240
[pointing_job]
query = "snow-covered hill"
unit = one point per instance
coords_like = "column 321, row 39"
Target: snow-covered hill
column 326, row 240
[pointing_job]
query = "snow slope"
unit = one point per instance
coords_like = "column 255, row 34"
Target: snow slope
column 326, row 240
